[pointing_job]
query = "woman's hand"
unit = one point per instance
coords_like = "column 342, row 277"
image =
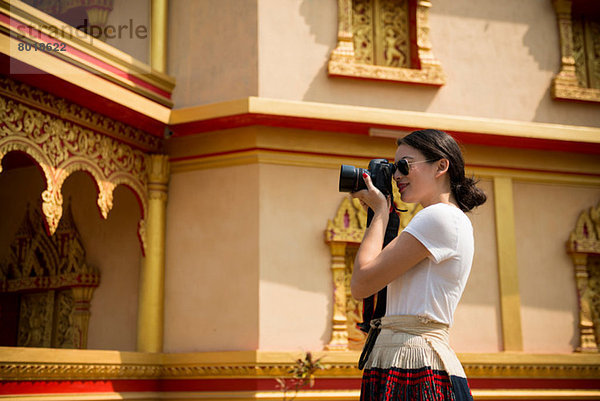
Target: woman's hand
column 372, row 197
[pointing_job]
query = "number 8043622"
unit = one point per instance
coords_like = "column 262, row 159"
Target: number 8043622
column 43, row 47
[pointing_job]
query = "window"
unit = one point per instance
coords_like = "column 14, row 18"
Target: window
column 579, row 28
column 385, row 40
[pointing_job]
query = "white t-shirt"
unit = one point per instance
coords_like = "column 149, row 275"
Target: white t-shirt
column 433, row 287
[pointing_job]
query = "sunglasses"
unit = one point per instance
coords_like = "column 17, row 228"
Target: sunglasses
column 403, row 165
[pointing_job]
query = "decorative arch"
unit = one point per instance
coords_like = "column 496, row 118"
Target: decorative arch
column 584, row 247
column 344, row 234
column 61, row 147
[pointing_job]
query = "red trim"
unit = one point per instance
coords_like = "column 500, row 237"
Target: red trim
column 61, row 88
column 90, row 59
column 109, row 386
column 257, row 384
column 248, row 119
column 236, row 151
column 548, row 384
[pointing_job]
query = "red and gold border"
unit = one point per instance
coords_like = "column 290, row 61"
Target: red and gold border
column 359, row 120
column 86, row 374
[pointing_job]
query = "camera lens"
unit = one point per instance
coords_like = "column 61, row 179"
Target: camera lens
column 351, row 179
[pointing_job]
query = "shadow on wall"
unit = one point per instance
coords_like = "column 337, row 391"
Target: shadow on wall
column 322, row 19
column 542, row 43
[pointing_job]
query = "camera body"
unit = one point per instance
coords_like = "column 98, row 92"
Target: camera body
column 380, row 171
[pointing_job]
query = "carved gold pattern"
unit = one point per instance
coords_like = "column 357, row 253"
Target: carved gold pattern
column 344, row 234
column 54, row 282
column 79, row 115
column 574, row 80
column 392, row 30
column 35, row 319
column 586, row 51
column 61, row 147
column 374, row 42
column 106, row 371
column 584, row 247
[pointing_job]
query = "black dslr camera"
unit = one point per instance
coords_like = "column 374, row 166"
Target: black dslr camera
column 380, row 170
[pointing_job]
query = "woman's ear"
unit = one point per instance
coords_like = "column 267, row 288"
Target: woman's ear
column 443, row 166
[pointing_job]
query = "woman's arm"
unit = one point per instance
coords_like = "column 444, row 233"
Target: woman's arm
column 375, row 268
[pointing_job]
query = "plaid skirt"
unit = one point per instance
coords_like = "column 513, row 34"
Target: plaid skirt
column 412, row 360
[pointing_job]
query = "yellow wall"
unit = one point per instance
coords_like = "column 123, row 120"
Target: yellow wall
column 545, row 215
column 500, row 58
column 212, row 260
column 477, row 323
column 111, row 245
column 295, row 277
column 288, row 193
column 212, row 50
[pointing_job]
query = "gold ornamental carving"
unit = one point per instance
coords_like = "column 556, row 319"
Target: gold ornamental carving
column 374, row 42
column 344, row 234
column 579, row 75
column 584, row 247
column 78, row 115
column 189, row 370
column 31, row 122
column 46, row 282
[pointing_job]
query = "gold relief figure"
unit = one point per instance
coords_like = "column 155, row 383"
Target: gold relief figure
column 579, row 75
column 362, row 28
column 63, row 332
column 393, row 29
column 593, row 40
column 393, row 56
column 579, row 52
column 374, row 42
column 35, row 319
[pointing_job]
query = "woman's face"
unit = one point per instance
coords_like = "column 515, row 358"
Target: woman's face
column 419, row 185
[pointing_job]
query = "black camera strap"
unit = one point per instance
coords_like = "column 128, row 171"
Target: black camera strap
column 374, row 305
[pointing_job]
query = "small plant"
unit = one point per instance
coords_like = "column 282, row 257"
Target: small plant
column 302, row 376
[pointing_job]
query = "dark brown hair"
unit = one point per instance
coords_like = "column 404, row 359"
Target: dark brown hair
column 436, row 145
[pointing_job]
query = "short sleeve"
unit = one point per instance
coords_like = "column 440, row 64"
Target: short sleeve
column 437, row 230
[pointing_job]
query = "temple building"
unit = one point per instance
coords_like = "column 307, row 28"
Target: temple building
column 170, row 221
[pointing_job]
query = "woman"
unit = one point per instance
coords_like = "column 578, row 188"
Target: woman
column 425, row 270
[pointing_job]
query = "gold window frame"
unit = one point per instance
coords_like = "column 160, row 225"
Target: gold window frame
column 343, row 63
column 583, row 246
column 565, row 84
column 343, row 234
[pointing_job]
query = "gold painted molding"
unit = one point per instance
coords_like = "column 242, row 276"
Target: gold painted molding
column 508, row 277
column 158, row 38
column 265, row 156
column 344, row 63
column 385, row 117
column 150, row 326
column 53, row 364
column 89, row 81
